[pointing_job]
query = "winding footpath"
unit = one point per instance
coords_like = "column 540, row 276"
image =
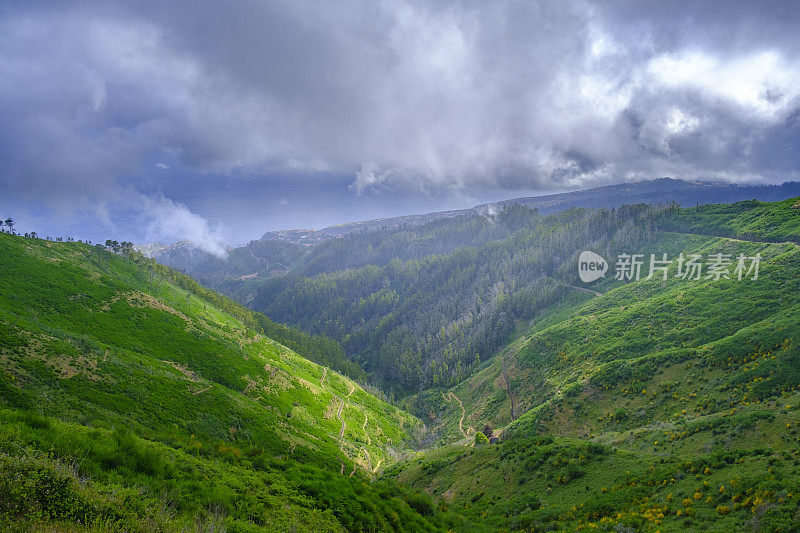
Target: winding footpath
column 341, row 407
column 448, row 399
column 339, row 416
column 364, row 429
column 343, row 401
column 508, row 389
column 584, row 289
column 369, row 460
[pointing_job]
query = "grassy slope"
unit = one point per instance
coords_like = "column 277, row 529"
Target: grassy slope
column 672, row 375
column 750, row 220
column 127, row 365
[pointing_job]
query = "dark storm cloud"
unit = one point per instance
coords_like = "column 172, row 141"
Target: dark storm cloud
column 401, row 94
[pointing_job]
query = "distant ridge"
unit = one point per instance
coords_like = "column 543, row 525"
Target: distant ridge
column 662, row 190
column 276, row 252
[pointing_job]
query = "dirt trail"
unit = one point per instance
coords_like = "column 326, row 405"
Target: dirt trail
column 369, row 460
column 732, row 238
column 584, row 289
column 364, row 429
column 339, row 416
column 341, row 407
column 508, row 389
column 450, row 397
column 342, row 403
column 254, row 256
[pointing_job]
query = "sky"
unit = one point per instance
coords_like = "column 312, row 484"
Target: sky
column 216, row 121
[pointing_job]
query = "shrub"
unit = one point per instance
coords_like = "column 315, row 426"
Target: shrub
column 421, row 503
column 573, row 389
column 34, row 488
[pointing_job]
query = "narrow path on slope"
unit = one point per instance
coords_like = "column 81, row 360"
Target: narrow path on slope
column 369, row 460
column 341, row 407
column 450, row 397
column 344, row 425
column 339, row 416
column 364, row 429
column 584, row 289
column 508, row 389
column 731, row 238
column 369, row 442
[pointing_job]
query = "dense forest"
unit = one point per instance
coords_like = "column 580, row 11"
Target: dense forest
column 426, row 303
column 424, row 307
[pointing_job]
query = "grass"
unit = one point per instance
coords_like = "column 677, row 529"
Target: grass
column 128, row 389
column 60, row 473
column 658, row 406
column 132, row 398
column 750, row 220
column 545, row 483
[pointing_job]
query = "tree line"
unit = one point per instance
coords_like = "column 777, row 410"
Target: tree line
column 427, row 306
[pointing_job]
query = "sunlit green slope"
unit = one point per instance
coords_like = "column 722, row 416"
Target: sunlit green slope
column 637, row 392
column 620, row 338
column 158, row 400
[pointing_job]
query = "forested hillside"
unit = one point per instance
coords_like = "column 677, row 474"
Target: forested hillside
column 132, row 398
column 453, row 294
column 659, row 405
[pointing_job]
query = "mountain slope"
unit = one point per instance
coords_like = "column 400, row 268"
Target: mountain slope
column 425, row 305
column 452, row 296
column 279, row 252
column 154, row 386
column 658, row 405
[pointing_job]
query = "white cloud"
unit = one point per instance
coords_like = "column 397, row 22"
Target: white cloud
column 168, row 221
column 763, row 82
column 679, row 122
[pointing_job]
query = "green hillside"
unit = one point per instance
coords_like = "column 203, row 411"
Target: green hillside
column 425, row 307
column 132, row 398
column 658, row 405
column 751, row 220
